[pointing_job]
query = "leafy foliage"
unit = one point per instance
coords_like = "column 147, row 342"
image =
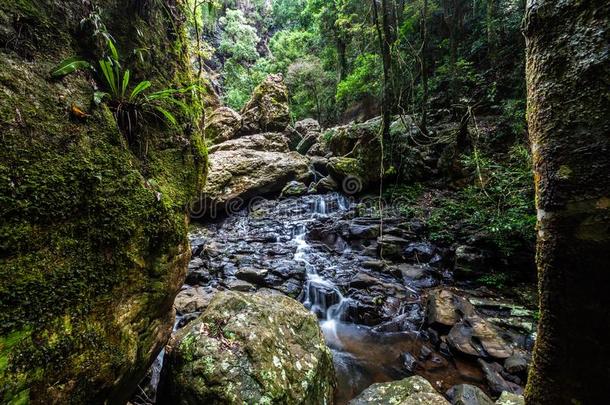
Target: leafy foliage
column 129, row 107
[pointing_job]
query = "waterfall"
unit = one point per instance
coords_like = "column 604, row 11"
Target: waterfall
column 320, row 295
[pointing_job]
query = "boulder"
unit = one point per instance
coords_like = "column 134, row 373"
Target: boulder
column 477, row 337
column 249, row 348
column 508, row 398
column 267, row 109
column 294, row 189
column 252, row 275
column 193, row 299
column 444, row 308
column 251, row 166
column 292, row 136
column 326, row 184
column 410, row 391
column 496, row 383
column 93, row 246
column 307, row 125
column 516, row 364
column 222, row 125
column 307, row 142
column 465, row 394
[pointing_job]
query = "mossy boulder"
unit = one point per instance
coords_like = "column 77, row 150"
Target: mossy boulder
column 222, row 125
column 248, row 167
column 268, row 108
column 411, row 391
column 249, row 348
column 93, row 245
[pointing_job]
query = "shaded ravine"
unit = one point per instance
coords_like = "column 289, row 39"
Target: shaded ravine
column 323, row 251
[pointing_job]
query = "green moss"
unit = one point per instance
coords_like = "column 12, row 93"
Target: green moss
column 92, row 234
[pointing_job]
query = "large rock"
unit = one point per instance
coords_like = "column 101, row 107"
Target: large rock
column 465, row 394
column 508, row 398
column 249, row 348
column 445, row 309
column 222, row 125
column 477, row 337
column 410, row 391
column 307, row 125
column 93, row 245
column 250, row 166
column 268, row 108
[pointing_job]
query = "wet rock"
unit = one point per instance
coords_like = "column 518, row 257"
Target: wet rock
column 508, row 398
column 268, row 109
column 193, row 299
column 363, row 280
column 391, row 246
column 221, row 125
column 252, row 275
column 410, row 391
column 445, row 309
column 497, row 384
column 292, row 136
column 320, row 164
column 363, row 230
column 477, row 337
column 307, row 142
column 291, row 288
column 421, row 252
column 317, row 149
column 249, row 348
column 239, row 285
column 198, row 277
column 326, row 184
column 516, row 364
column 186, row 319
column 307, row 125
column 373, row 264
column 294, row 189
column 195, row 263
column 465, row 394
column 409, row 362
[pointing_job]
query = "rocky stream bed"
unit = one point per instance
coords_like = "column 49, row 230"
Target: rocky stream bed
column 388, row 306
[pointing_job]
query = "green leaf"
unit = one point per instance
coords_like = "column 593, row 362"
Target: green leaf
column 68, row 66
column 125, row 83
column 168, row 116
column 143, row 85
column 113, row 51
column 109, row 76
column 99, row 96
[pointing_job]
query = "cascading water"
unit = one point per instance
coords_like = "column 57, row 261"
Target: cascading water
column 321, row 296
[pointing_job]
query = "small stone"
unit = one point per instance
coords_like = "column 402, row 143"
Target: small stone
column 294, row 189
column 239, row 285
column 409, row 362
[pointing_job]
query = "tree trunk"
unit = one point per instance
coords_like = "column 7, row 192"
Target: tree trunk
column 568, row 66
column 386, row 102
column 424, row 68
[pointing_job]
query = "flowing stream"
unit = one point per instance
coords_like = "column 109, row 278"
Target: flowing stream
column 323, row 251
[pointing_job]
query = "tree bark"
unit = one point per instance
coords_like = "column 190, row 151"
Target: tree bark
column 382, row 32
column 424, row 68
column 568, row 71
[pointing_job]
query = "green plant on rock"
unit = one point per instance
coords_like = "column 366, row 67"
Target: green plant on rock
column 130, row 105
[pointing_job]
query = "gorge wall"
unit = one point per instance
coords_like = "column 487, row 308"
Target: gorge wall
column 93, row 228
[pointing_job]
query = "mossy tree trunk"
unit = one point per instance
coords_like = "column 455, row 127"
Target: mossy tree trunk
column 568, row 68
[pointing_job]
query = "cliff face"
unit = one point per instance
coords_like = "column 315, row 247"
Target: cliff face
column 92, row 228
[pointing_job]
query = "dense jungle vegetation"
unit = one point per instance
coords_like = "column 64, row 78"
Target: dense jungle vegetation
column 304, row 202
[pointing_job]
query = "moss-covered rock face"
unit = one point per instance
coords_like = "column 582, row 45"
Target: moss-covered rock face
column 410, row 391
column 92, row 231
column 268, row 108
column 249, row 348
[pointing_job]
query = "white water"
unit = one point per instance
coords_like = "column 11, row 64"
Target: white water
column 321, row 296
